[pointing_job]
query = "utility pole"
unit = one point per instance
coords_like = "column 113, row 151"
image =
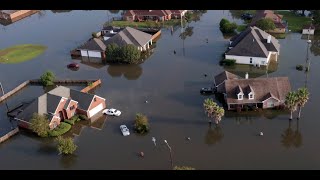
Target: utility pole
column 170, row 153
column 2, row 89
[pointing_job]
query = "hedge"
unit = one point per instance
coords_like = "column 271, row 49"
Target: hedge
column 228, row 62
column 82, row 117
column 61, row 129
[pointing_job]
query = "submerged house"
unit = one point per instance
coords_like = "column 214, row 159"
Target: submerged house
column 143, row 15
column 308, row 29
column 253, row 46
column 61, row 103
column 252, row 92
column 276, row 18
column 15, row 15
column 94, row 50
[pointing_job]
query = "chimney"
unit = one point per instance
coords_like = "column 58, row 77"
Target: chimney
column 269, row 39
column 247, row 75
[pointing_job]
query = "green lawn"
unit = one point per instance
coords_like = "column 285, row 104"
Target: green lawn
column 295, row 22
column 20, row 53
column 146, row 24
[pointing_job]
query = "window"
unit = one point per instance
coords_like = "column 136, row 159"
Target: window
column 72, row 108
column 250, row 60
column 251, row 96
column 94, row 99
column 240, row 97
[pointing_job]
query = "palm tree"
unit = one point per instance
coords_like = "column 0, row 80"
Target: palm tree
column 213, row 110
column 291, row 102
column 302, row 98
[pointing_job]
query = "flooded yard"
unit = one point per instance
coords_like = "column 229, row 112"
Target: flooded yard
column 170, row 82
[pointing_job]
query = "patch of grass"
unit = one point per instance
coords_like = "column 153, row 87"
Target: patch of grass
column 295, row 22
column 20, row 53
column 61, row 129
column 228, row 62
column 146, row 24
column 241, row 27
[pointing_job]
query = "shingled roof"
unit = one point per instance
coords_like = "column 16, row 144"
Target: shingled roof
column 253, row 42
column 263, row 88
column 130, row 36
column 94, row 44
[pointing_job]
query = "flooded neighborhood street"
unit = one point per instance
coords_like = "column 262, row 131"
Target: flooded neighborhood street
column 170, row 82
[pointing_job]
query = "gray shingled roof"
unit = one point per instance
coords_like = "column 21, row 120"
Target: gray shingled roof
column 94, row 44
column 130, row 36
column 84, row 99
column 263, row 88
column 253, row 42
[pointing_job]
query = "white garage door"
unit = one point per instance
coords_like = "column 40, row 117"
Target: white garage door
column 84, row 53
column 94, row 54
column 95, row 110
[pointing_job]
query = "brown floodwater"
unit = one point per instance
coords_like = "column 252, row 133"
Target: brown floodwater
column 170, row 83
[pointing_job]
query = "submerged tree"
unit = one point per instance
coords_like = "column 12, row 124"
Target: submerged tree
column 47, row 78
column 39, row 125
column 291, row 102
column 141, row 124
column 66, row 145
column 213, row 110
column 302, row 98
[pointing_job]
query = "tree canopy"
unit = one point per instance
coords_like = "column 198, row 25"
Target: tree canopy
column 47, row 78
column 66, row 145
column 39, row 125
column 126, row 54
column 266, row 24
column 141, row 124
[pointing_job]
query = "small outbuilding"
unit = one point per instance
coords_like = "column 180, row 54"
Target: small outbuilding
column 308, row 29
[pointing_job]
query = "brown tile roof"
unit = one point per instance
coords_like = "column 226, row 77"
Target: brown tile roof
column 253, row 42
column 263, row 88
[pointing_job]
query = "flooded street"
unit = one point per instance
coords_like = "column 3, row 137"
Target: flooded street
column 170, row 83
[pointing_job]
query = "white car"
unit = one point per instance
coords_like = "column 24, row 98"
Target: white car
column 112, row 112
column 124, row 130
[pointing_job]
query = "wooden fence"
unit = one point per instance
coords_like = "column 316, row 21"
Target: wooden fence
column 9, row 134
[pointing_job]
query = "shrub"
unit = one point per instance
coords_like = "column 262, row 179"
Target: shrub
column 266, row 24
column 95, row 35
column 90, row 84
column 70, row 121
column 141, row 124
column 66, row 145
column 47, row 78
column 223, row 22
column 82, row 117
column 129, row 54
column 39, row 125
column 59, row 130
column 299, row 67
column 228, row 62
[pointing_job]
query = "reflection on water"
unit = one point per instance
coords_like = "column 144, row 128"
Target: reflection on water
column 214, row 135
column 130, row 72
column 290, row 137
column 67, row 161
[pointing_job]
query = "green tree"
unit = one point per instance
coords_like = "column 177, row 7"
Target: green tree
column 183, row 168
column 188, row 16
column 130, row 54
column 316, row 17
column 141, row 124
column 39, row 125
column 47, row 78
column 66, row 145
column 223, row 22
column 213, row 110
column 291, row 102
column 302, row 98
column 266, row 24
column 112, row 52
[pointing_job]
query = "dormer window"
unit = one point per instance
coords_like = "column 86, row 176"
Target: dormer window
column 240, row 96
column 239, row 93
column 251, row 92
column 251, row 96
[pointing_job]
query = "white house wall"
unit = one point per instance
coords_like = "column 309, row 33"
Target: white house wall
column 94, row 54
column 246, row 59
column 306, row 31
column 84, row 53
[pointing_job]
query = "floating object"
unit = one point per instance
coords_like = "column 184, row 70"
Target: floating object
column 154, row 141
column 188, row 138
column 142, row 154
column 146, row 101
column 261, row 133
column 205, row 75
column 174, row 51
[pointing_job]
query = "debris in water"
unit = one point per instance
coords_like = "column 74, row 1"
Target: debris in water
column 142, row 154
column 261, row 133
